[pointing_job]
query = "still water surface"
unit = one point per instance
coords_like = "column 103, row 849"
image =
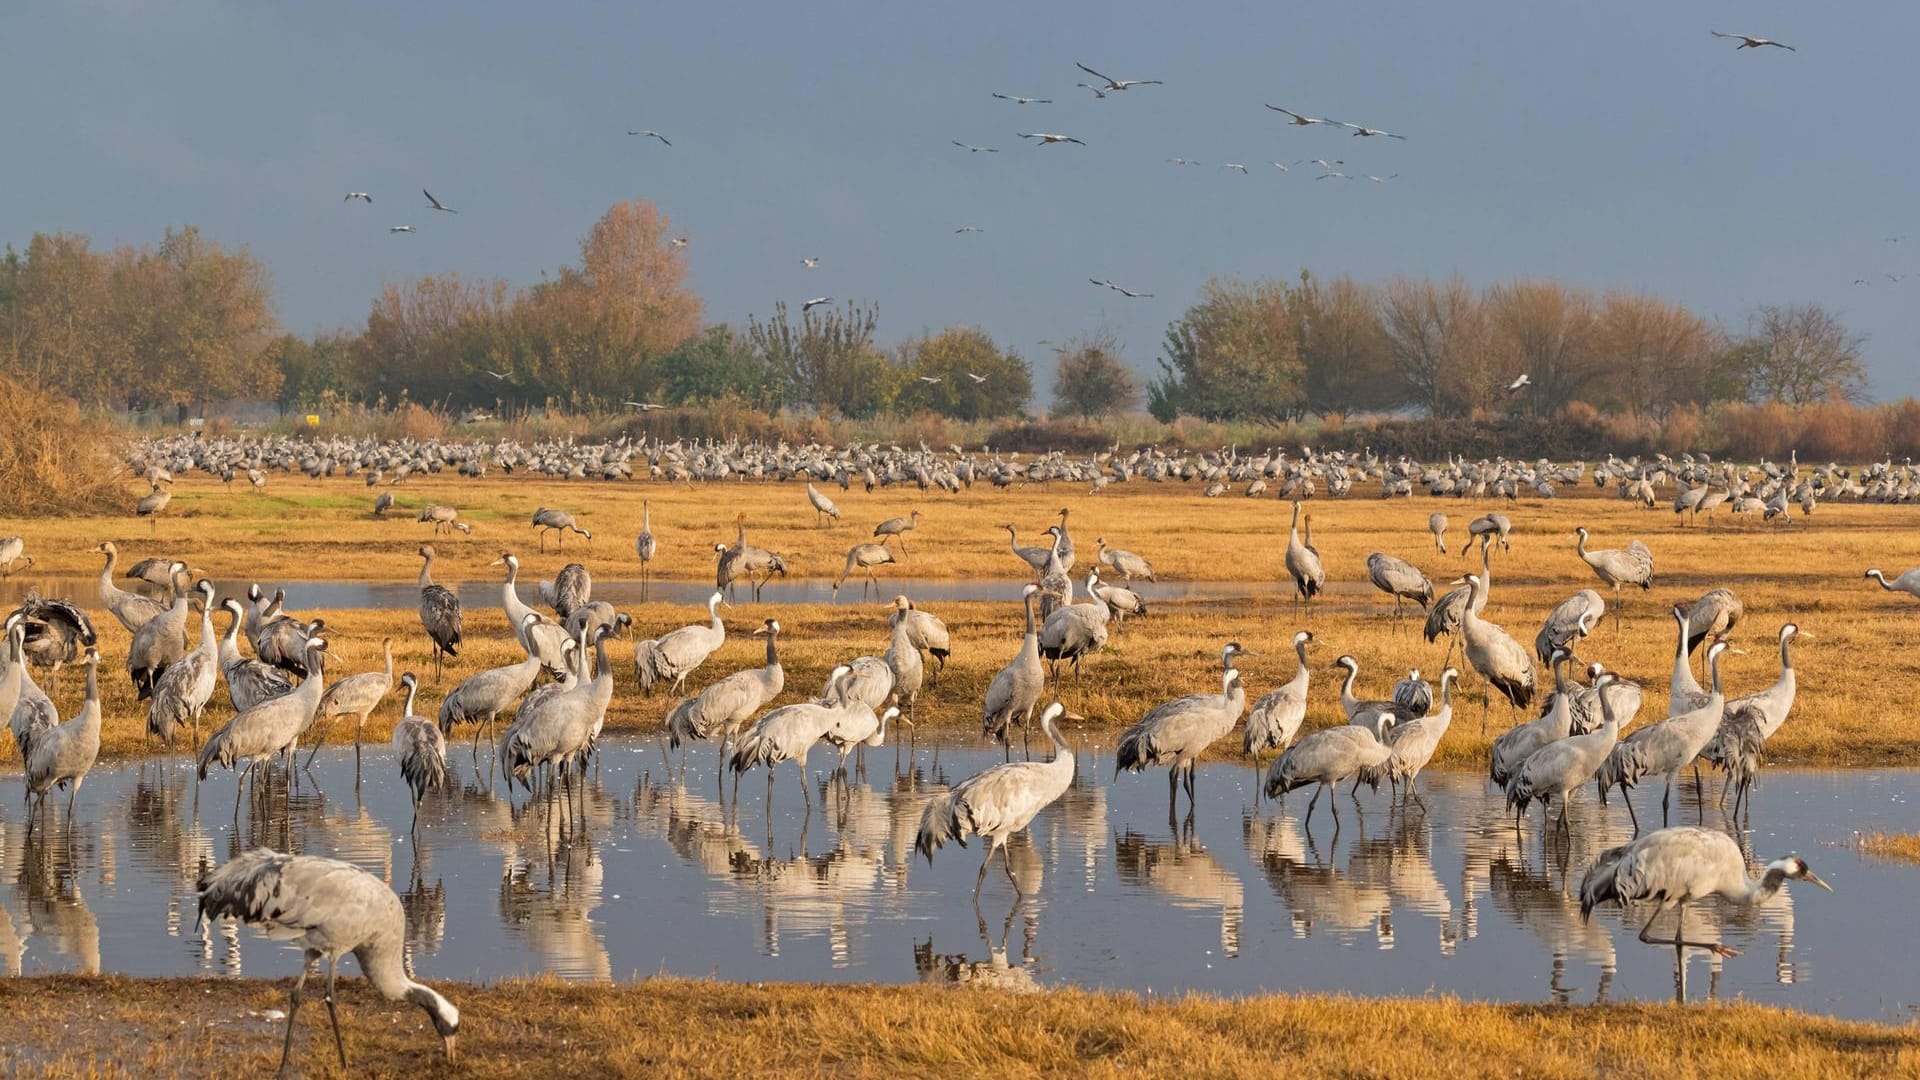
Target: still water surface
column 668, row 878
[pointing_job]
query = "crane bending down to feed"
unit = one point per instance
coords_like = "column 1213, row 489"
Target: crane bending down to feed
column 557, row 521
column 1325, row 757
column 999, row 802
column 864, row 556
column 1908, row 582
column 1674, row 867
column 1176, row 733
column 330, row 908
column 1634, row 566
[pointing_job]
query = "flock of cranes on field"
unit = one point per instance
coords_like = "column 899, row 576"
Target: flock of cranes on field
column 544, row 734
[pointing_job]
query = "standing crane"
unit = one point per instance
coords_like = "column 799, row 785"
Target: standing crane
column 673, row 656
column 1177, row 732
column 1375, row 716
column 330, row 908
column 1399, row 579
column 132, row 609
column 356, row 696
column 1303, row 562
column 899, row 527
column 1325, row 757
column 1674, row 867
column 1437, row 525
column 864, row 556
column 1666, row 746
column 998, row 802
column 924, row 631
column 486, row 694
column 439, row 613
column 1276, row 717
column 1413, row 743
column 187, row 684
column 421, row 750
column 1016, row 688
column 62, row 755
column 1750, row 721
column 1634, row 566
column 644, row 545
column 1125, row 563
column 727, row 704
column 1572, row 619
column 1496, row 656
column 1556, row 769
column 1121, row 602
column 1445, row 616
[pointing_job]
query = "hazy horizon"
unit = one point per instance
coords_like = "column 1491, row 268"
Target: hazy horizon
column 1629, row 151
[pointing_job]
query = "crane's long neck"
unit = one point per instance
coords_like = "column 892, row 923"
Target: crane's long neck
column 1786, row 657
column 386, row 655
column 208, row 643
column 1028, row 602
column 1876, row 575
column 1300, row 650
column 1761, row 889
column 1446, row 693
column 713, row 611
column 106, row 572
column 1580, row 544
column 1713, row 671
column 412, row 689
column 1346, row 687
column 646, row 516
column 773, row 647
column 426, row 571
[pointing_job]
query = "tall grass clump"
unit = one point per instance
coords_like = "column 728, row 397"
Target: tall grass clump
column 53, row 459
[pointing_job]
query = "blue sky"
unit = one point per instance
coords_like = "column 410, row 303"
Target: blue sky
column 1611, row 145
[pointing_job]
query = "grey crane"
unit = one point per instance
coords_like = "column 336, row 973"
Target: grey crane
column 1713, row 616
column 439, row 613
column 864, row 679
column 899, row 527
column 444, row 519
column 1063, row 542
column 1437, row 525
column 269, row 728
column 1908, row 582
column 1552, row 772
column 330, row 908
column 1035, row 557
column 644, row 545
column 152, row 503
column 1683, row 690
column 157, row 570
column 864, row 556
column 1570, row 620
column 62, row 755
column 674, row 655
column 1674, row 867
column 13, row 550
column 1377, row 715
column 53, row 632
column 1414, row 743
column 13, row 678
column 1750, row 721
column 595, row 614
column 1496, row 656
column 558, row 730
column 1493, row 527
column 719, row 711
column 1634, row 566
column 746, row 560
column 1277, row 715
column 1414, row 692
column 1125, row 563
column 161, row 641
column 1074, row 632
column 925, row 631
column 822, row 506
column 281, row 639
column 1513, row 747
column 998, row 802
column 132, row 609
column 1303, row 563
column 421, row 750
column 1177, row 732
column 571, row 589
column 1666, row 746
column 541, row 636
column 909, row 670
column 1016, row 688
column 1445, row 616
column 548, row 520
column 1325, row 757
column 1121, row 602
column 249, row 682
column 857, row 726
column 356, row 696
column 1399, row 579
column 485, row 695
column 382, row 503
column 785, row 734
column 184, row 688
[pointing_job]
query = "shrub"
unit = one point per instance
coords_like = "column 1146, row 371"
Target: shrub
column 54, row 460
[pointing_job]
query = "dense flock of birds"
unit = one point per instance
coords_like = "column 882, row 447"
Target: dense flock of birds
column 542, row 716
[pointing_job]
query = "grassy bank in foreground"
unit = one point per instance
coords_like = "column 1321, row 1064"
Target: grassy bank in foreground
column 116, row 1027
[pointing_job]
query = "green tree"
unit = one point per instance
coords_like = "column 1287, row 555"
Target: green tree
column 719, row 365
column 1234, row 355
column 1090, row 379
column 828, row 360
column 311, row 370
column 961, row 373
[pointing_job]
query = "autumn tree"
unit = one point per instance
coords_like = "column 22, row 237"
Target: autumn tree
column 439, row 338
column 1655, row 354
column 1234, row 355
column 1800, row 354
column 1089, row 378
column 961, row 373
column 1436, row 336
column 827, row 360
column 1342, row 347
column 1544, row 330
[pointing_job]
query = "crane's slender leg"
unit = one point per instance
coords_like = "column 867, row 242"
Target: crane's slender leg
column 1311, row 803
column 333, row 1010
column 1665, row 799
column 981, row 878
column 805, row 795
column 325, row 730
column 293, row 1008
column 1678, row 942
column 1173, row 789
column 1006, row 863
column 1626, row 796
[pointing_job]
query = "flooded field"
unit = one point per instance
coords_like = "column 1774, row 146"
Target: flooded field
column 667, row 877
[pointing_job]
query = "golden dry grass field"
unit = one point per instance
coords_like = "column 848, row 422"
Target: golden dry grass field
column 1856, row 673
column 110, row 1027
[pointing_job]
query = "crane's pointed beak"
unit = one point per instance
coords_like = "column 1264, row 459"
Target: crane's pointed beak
column 1815, row 879
column 1804, row 635
column 451, row 1042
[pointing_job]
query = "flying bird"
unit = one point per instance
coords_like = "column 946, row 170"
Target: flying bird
column 435, row 203
column 1123, row 292
column 969, row 228
column 977, row 379
column 1325, row 164
column 1753, row 42
column 1098, row 91
column 1018, row 100
column 652, row 134
column 495, row 374
column 1279, row 166
column 930, row 380
column 361, row 195
column 1363, row 130
column 812, row 263
column 643, row 406
column 1113, row 83
column 1381, row 179
column 400, row 228
column 1297, row 120
column 814, row 303
column 972, row 149
column 1525, row 380
column 1048, row 140
column 1333, row 175
column 679, row 242
column 1181, row 161
column 1235, row 165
